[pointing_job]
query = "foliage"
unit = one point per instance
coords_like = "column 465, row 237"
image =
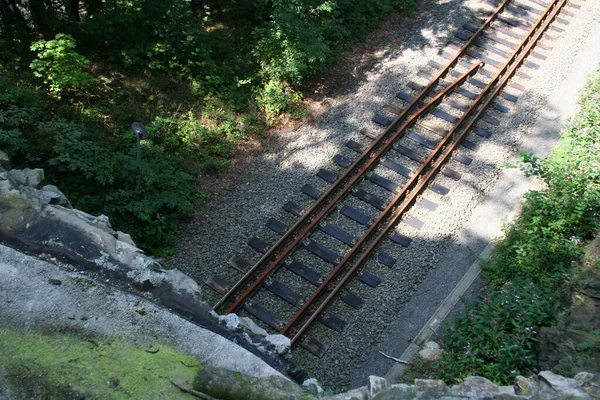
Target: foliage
column 18, row 112
column 302, row 37
column 59, row 65
column 548, row 235
column 495, row 337
column 200, row 75
column 144, row 198
column 147, row 198
column 259, row 50
column 583, row 358
column 277, row 97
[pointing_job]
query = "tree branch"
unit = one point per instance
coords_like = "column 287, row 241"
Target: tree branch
column 189, row 390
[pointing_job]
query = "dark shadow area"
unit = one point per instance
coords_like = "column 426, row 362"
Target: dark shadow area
column 398, row 33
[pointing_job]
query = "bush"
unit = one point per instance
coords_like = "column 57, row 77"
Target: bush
column 277, row 97
column 59, row 65
column 548, row 236
column 302, row 37
column 145, row 198
column 497, row 336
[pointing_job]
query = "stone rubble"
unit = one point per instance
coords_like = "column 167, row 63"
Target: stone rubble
column 544, row 386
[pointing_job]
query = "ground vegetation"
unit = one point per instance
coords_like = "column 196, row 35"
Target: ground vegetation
column 535, row 267
column 201, row 75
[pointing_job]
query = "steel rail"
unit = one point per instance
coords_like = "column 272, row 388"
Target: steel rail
column 371, row 161
column 308, row 222
column 408, row 195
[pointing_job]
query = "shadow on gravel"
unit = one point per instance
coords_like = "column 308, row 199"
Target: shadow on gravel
column 400, row 32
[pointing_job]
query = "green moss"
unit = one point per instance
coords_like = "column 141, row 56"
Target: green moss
column 16, row 211
column 71, row 365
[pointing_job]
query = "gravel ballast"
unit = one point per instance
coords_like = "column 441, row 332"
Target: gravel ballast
column 392, row 313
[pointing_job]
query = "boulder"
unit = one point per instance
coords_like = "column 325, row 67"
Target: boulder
column 28, row 177
column 52, row 195
column 43, row 221
column 232, row 385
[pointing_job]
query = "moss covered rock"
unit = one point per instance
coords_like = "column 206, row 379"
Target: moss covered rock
column 77, row 365
column 231, row 385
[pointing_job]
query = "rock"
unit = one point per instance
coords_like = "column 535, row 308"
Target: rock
column 28, row 177
column 523, row 386
column 557, row 343
column 312, row 386
column 3, row 158
column 251, row 326
column 431, row 351
column 592, row 289
column 42, row 221
column 588, row 383
column 377, row 384
column 231, row 385
column 52, row 195
column 564, row 387
column 474, row 386
column 430, row 384
column 546, row 386
column 126, row 238
column 231, row 321
column 275, row 343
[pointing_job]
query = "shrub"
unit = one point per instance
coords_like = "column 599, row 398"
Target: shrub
column 497, row 336
column 185, row 135
column 59, row 65
column 275, row 98
column 145, row 198
column 555, row 220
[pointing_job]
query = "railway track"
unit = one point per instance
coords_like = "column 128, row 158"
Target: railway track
column 427, row 133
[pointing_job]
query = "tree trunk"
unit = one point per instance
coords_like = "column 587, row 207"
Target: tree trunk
column 14, row 25
column 38, row 16
column 73, row 10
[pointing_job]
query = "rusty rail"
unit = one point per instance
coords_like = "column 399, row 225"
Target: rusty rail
column 310, row 219
column 422, row 177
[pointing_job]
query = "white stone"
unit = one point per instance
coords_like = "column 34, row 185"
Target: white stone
column 312, row 385
column 431, row 351
column 377, row 384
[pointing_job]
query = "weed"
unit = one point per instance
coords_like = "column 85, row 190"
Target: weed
column 496, row 336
